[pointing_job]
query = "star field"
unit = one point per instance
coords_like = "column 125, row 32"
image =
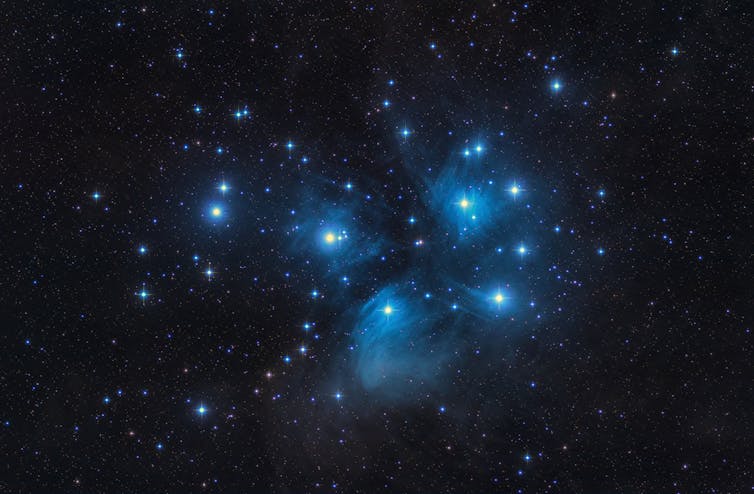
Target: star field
column 354, row 247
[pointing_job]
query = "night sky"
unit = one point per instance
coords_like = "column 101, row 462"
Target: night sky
column 376, row 247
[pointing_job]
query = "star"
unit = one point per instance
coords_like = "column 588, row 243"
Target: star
column 330, row 238
column 201, row 410
column 499, row 298
column 387, row 310
column 96, row 196
column 515, row 190
column 464, row 203
column 142, row 249
column 556, row 86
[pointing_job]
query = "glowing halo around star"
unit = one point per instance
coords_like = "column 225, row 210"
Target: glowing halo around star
column 215, row 212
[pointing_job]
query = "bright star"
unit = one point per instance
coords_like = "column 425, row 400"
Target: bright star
column 338, row 395
column 209, row 272
column 142, row 249
column 464, row 203
column 499, row 298
column 201, row 410
column 556, row 86
column 330, row 237
column 387, row 310
column 217, row 212
column 96, row 196
column 223, row 187
column 522, row 250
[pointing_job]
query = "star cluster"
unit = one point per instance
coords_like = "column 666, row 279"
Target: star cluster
column 376, row 248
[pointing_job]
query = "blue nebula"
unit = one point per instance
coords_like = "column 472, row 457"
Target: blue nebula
column 396, row 345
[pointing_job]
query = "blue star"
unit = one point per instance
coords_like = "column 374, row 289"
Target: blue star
column 96, row 196
column 197, row 109
column 515, row 190
column 674, row 51
column 556, row 86
column 142, row 249
column 201, row 410
column 601, row 251
column 216, row 212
